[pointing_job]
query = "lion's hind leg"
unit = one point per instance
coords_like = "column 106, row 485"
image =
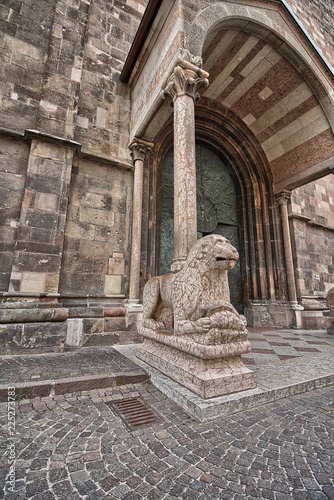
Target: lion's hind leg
column 151, row 302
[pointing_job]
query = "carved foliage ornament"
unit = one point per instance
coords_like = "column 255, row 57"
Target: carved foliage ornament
column 139, row 150
column 283, row 198
column 187, row 77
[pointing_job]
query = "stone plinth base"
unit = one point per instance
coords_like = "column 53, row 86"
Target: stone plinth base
column 19, row 338
column 207, row 364
column 329, row 321
column 269, row 314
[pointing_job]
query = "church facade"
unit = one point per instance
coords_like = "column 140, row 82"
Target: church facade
column 129, row 129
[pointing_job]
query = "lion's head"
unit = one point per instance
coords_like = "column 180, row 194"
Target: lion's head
column 213, row 252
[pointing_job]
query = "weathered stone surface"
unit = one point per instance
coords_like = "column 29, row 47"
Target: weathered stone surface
column 91, row 246
column 42, row 336
column 114, row 324
column 86, row 312
column 208, row 371
column 32, row 315
column 114, row 312
column 329, row 315
column 330, row 299
column 191, row 331
column 60, row 70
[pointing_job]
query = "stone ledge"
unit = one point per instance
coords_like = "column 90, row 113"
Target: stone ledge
column 38, row 336
column 33, row 315
column 46, row 388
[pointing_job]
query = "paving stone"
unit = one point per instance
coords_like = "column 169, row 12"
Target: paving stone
column 234, row 457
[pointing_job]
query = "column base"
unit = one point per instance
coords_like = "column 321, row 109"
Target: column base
column 269, row 314
column 298, row 318
column 133, row 312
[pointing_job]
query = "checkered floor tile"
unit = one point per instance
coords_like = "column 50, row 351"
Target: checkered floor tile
column 284, row 345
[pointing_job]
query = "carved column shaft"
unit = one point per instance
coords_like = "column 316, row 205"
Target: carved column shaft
column 139, row 150
column 283, row 198
column 182, row 87
column 185, row 209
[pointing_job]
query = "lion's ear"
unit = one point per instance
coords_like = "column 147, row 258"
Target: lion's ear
column 205, row 248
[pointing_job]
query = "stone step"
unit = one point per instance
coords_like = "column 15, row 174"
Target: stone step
column 43, row 337
column 50, row 374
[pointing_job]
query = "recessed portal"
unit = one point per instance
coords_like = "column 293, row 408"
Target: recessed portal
column 216, row 210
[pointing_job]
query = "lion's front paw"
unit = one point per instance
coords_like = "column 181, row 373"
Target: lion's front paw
column 153, row 325
column 204, row 323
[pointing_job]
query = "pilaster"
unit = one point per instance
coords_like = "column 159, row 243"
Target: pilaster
column 40, row 238
column 139, row 151
column 283, row 199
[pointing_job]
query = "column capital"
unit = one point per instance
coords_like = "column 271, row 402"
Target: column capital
column 284, row 197
column 140, row 148
column 187, row 77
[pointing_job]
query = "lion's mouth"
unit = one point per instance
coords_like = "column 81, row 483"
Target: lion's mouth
column 219, row 259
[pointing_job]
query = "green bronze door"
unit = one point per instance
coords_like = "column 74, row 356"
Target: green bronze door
column 216, row 211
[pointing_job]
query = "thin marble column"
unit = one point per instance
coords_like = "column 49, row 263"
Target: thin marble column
column 182, row 87
column 283, row 199
column 139, row 150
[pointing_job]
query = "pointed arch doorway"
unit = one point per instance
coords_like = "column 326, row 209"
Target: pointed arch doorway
column 239, row 166
column 217, row 210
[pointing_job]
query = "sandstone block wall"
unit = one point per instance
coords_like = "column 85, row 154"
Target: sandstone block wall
column 13, row 163
column 65, row 169
column 317, row 17
column 313, row 235
column 96, row 255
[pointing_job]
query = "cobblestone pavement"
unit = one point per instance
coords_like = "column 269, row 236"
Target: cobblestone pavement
column 75, row 446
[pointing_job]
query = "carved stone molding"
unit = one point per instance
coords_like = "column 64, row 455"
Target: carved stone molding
column 284, row 197
column 187, row 77
column 140, row 149
column 184, row 82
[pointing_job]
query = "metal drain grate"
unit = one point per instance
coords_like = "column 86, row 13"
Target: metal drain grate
column 135, row 413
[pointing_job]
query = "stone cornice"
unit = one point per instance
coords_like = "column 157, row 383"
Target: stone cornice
column 30, row 134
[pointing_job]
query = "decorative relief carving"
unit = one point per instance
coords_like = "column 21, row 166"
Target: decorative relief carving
column 184, row 82
column 197, row 298
column 284, row 197
column 187, row 77
column 185, row 55
column 139, row 149
column 191, row 331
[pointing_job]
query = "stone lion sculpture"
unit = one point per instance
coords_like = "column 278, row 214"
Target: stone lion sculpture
column 197, row 298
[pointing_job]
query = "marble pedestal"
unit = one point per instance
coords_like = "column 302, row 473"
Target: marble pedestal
column 208, row 364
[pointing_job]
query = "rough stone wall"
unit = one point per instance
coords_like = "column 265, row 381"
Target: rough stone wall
column 13, row 165
column 64, row 132
column 59, row 75
column 313, row 230
column 25, row 35
column 103, row 104
column 317, row 18
column 96, row 256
